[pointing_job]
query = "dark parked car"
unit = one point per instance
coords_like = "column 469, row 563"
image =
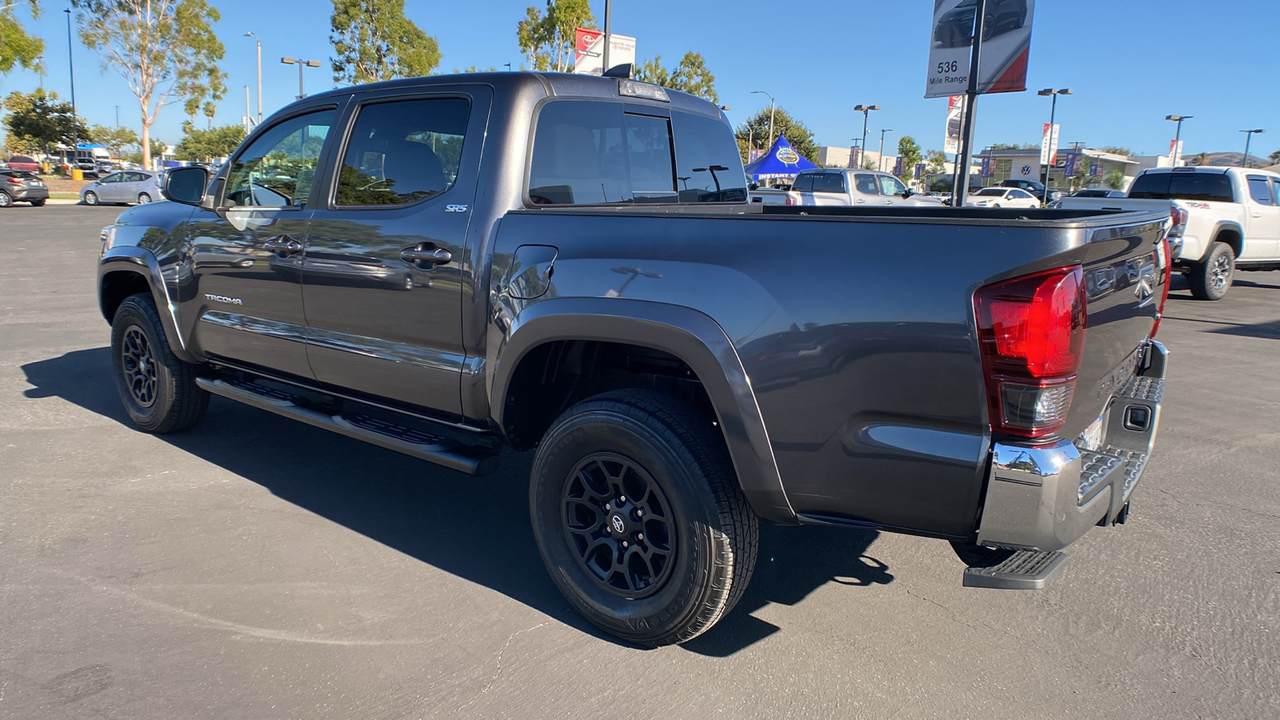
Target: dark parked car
column 570, row 265
column 21, row 186
column 955, row 28
column 24, row 163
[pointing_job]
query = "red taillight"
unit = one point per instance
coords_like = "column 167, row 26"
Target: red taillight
column 791, row 201
column 1031, row 333
column 14, row 180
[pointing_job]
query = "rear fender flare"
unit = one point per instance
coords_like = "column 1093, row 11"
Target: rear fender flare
column 130, row 258
column 685, row 333
column 1224, row 226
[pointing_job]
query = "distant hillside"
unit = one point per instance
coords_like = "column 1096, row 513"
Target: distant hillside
column 1230, row 159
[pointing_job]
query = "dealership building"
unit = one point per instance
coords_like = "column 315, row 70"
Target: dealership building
column 1071, row 165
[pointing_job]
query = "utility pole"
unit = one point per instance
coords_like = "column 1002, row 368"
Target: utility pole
column 1177, row 136
column 71, row 65
column 866, row 111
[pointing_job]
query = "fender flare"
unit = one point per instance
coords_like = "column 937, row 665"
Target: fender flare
column 689, row 335
column 129, row 258
column 1217, row 230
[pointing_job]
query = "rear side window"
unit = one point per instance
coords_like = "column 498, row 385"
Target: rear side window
column 603, row 153
column 803, row 183
column 402, row 152
column 1260, row 190
column 828, row 182
column 1203, row 186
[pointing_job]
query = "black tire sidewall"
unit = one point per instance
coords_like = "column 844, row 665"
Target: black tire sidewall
column 132, row 314
column 1202, row 284
column 5, row 199
column 675, row 472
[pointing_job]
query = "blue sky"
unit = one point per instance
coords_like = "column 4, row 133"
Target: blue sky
column 1130, row 63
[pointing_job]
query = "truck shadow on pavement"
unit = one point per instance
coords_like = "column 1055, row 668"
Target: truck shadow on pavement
column 476, row 528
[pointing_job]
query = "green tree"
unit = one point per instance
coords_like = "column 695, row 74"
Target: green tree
column 547, row 39
column 116, row 139
column 691, row 76
column 1275, row 157
column 17, row 48
column 1117, row 150
column 1114, row 179
column 207, row 145
column 909, row 151
column 165, row 49
column 374, row 41
column 42, row 121
column 1200, row 159
column 754, row 133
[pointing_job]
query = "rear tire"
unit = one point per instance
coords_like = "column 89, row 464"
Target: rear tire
column 158, row 390
column 143, row 198
column 5, row 200
column 1211, row 279
column 638, row 468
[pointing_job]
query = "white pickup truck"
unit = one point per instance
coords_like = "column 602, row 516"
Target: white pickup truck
column 1224, row 219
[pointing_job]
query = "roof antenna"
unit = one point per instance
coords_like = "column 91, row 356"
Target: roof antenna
column 619, row 71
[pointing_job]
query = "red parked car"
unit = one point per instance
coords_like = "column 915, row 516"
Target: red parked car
column 24, row 163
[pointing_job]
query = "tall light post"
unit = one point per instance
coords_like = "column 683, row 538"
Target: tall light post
column 880, row 160
column 865, row 110
column 1248, row 135
column 761, row 92
column 259, row 42
column 71, row 65
column 1177, row 136
column 301, row 64
column 1053, row 108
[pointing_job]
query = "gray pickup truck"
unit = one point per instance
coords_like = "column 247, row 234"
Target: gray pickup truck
column 569, row 264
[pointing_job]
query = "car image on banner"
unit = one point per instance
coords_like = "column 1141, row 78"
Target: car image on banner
column 1006, row 45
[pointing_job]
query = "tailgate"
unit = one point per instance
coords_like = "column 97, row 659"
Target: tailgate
column 1125, row 285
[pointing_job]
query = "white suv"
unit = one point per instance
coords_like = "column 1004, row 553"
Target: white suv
column 847, row 186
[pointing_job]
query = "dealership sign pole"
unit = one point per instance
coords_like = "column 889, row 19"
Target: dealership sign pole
column 996, row 60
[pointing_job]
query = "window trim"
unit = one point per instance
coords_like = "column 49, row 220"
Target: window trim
column 325, row 150
column 352, row 116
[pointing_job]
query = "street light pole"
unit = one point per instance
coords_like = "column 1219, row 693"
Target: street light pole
column 761, row 92
column 1248, row 135
column 880, row 160
column 1053, row 108
column 71, row 65
column 301, row 64
column 259, row 42
column 1177, row 136
column 865, row 110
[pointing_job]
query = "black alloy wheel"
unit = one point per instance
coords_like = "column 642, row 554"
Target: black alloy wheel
column 618, row 522
column 139, row 367
column 159, row 391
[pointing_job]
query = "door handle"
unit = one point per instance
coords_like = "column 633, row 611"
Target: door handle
column 426, row 255
column 282, row 245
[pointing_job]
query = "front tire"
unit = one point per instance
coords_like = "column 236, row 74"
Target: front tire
column 639, row 517
column 91, row 198
column 158, row 390
column 1211, row 279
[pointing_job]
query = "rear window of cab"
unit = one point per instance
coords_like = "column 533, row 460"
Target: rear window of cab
column 611, row 153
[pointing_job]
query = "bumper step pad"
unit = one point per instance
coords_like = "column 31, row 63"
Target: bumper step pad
column 1020, row 570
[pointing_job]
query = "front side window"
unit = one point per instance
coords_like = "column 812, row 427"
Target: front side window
column 890, row 185
column 113, row 178
column 278, row 168
column 402, row 152
column 1275, row 190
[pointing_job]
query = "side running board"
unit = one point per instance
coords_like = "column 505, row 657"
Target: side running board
column 437, row 449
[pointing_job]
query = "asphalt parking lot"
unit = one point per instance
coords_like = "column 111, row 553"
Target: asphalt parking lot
column 260, row 568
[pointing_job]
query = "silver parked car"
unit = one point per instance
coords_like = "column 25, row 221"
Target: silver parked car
column 846, row 186
column 130, row 186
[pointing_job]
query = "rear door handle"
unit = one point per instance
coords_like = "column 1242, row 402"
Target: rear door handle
column 426, row 255
column 282, row 245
